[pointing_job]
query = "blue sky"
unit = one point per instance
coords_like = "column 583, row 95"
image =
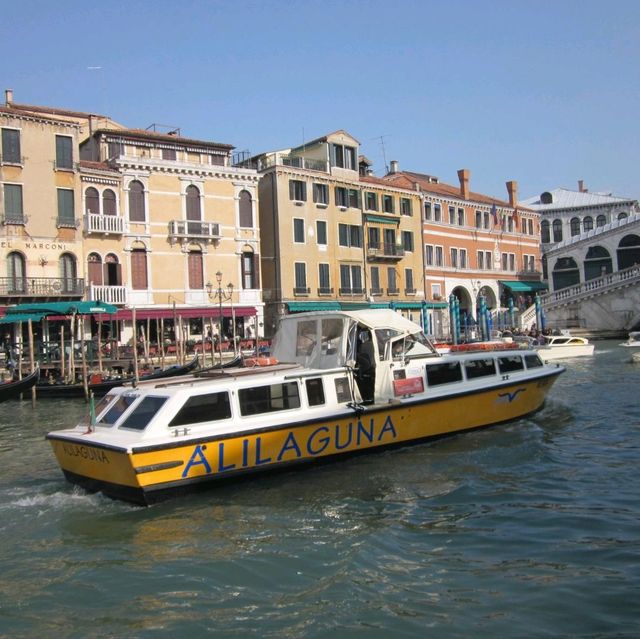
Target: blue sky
column 543, row 92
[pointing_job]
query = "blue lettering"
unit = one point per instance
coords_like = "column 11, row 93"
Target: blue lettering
column 197, row 459
column 221, row 467
column 363, row 431
column 245, row 453
column 323, row 441
column 339, row 445
column 260, row 461
column 289, row 444
column 388, row 426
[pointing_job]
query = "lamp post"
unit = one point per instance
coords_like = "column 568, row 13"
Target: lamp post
column 222, row 296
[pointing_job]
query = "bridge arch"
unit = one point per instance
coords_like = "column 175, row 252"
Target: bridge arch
column 628, row 252
column 565, row 273
column 597, row 262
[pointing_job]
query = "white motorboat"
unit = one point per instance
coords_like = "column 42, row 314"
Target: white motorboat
column 633, row 341
column 564, row 346
column 336, row 383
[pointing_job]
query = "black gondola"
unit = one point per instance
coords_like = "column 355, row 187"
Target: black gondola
column 12, row 389
column 99, row 389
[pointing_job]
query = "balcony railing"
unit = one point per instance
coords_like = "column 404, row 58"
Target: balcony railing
column 393, row 291
column 325, row 290
column 13, row 219
column 107, row 294
column 94, row 223
column 375, row 291
column 355, row 290
column 410, row 291
column 67, row 223
column 41, row 287
column 295, row 161
column 301, row 290
column 385, row 251
column 193, row 230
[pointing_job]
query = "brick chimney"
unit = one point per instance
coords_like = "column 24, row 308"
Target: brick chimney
column 512, row 189
column 581, row 186
column 8, row 97
column 394, row 166
column 463, row 176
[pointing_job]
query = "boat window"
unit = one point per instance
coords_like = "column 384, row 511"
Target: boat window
column 480, row 367
column 510, row 363
column 315, row 391
column 118, row 409
column 267, row 399
column 383, row 335
column 203, row 408
column 444, row 373
column 103, row 403
column 533, row 361
column 306, row 338
column 143, row 413
column 343, row 394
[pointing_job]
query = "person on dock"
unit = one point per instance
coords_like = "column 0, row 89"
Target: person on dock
column 366, row 363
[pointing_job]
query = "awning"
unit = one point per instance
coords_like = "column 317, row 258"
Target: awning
column 21, row 317
column 524, row 287
column 382, row 220
column 184, row 313
column 301, row 307
column 61, row 308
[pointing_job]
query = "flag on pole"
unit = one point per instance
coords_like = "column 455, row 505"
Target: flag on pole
column 494, row 213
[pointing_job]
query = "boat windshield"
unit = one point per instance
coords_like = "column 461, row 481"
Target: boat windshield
column 119, row 407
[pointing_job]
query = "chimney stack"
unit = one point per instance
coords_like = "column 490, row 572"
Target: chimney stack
column 8, row 97
column 394, row 166
column 581, row 186
column 512, row 189
column 463, row 176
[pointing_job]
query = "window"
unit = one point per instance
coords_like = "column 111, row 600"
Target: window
column 428, row 254
column 371, row 200
column 374, row 236
column 109, row 202
column 300, row 272
column 250, row 263
column 343, row 156
column 16, row 273
column 512, row 262
column 485, row 220
column 94, row 269
column 407, row 240
column 375, row 280
column 10, row 147
column 509, row 224
column 460, row 217
column 575, row 226
column 66, row 208
column 387, row 203
column 112, row 271
column 557, row 230
column 324, row 279
column 68, row 272
column 478, row 219
column 408, row 281
column 315, row 391
column 341, row 196
column 320, row 194
column 622, row 216
column 587, row 223
column 405, row 206
column 143, row 413
column 203, row 408
column 354, row 198
column 169, row 154
column 444, row 373
column 136, row 202
column 321, row 232
column 115, row 149
column 350, row 279
column 194, row 212
column 601, row 220
column 452, row 215
column 439, row 256
column 64, row 152
column 480, row 368
column 545, row 236
column 510, row 363
column 267, row 399
column 298, row 230
column 505, row 261
column 298, row 190
column 350, row 235
column 532, row 361
column 427, row 211
column 454, row 258
column 481, row 260
column 245, row 210
column 194, row 266
column 437, row 213
column 392, row 280
column 139, row 279
column 13, row 211
column 530, row 226
column 463, row 258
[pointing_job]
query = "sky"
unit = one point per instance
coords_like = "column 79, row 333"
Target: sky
column 545, row 92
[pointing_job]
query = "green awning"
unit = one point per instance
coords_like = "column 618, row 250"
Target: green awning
column 382, row 220
column 301, row 307
column 21, row 317
column 524, row 287
column 60, row 308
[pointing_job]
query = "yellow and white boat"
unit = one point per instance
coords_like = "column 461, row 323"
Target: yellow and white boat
column 336, row 383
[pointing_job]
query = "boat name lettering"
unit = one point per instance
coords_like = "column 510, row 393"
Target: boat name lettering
column 76, row 450
column 294, row 445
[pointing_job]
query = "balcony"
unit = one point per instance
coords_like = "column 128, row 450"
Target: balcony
column 105, row 224
column 41, row 287
column 384, row 252
column 14, row 219
column 325, row 290
column 107, row 294
column 296, row 161
column 352, row 291
column 187, row 230
column 67, row 223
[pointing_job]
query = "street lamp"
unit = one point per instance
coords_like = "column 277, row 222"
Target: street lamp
column 222, row 296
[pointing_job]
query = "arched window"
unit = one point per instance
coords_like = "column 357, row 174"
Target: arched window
column 16, row 273
column 250, row 269
column 109, row 202
column 565, row 273
column 601, row 220
column 94, row 269
column 622, row 216
column 112, row 271
column 628, row 252
column 194, row 265
column 557, row 230
column 139, row 279
column 91, row 201
column 246, row 210
column 546, row 198
column 194, row 212
column 575, row 226
column 544, row 232
column 587, row 223
column 68, row 272
column 597, row 262
column 136, row 202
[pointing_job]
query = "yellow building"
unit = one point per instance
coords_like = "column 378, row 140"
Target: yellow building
column 333, row 236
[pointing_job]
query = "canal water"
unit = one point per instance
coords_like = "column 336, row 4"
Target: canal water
column 530, row 529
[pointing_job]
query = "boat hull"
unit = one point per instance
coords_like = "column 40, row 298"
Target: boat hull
column 148, row 474
column 551, row 353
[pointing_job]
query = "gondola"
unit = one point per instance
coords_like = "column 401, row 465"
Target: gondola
column 58, row 391
column 232, row 363
column 12, row 389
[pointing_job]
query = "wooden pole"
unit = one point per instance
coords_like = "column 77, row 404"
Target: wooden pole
column 213, row 352
column 175, row 330
column 85, row 377
column 146, row 339
column 100, row 345
column 32, row 362
column 161, row 342
column 233, row 324
column 62, row 372
column 72, row 356
column 136, row 376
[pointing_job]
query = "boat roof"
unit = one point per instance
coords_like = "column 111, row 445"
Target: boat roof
column 370, row 317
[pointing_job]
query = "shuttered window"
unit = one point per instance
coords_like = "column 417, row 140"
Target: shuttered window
column 136, row 202
column 91, row 201
column 13, row 211
column 11, row 146
column 196, row 281
column 246, row 211
column 64, row 152
column 109, row 202
column 66, row 208
column 139, row 269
